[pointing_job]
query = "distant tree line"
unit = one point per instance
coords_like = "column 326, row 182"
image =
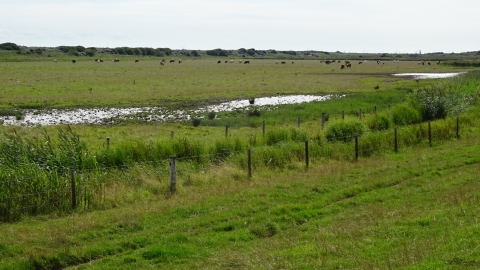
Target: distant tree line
column 8, row 46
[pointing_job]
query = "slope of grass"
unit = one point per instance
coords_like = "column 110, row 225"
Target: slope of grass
column 417, row 209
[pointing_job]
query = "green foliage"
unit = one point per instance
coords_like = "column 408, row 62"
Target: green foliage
column 196, row 122
column 251, row 52
column 344, row 130
column 254, row 112
column 403, row 114
column 9, row 46
column 211, row 115
column 289, row 52
column 195, row 53
column 217, row 52
column 80, row 48
column 379, row 121
column 441, row 100
column 90, row 52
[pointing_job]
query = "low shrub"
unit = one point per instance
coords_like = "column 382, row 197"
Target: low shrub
column 379, row 121
column 196, row 122
column 344, row 130
column 211, row 115
column 405, row 115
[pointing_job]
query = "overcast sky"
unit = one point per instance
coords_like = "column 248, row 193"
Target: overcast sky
column 364, row 26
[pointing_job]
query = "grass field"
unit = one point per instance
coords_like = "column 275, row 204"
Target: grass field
column 194, row 82
column 412, row 209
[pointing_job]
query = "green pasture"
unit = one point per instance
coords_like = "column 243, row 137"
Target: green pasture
column 191, row 83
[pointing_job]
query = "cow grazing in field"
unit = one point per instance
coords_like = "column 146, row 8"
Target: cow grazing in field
column 293, row 62
column 283, row 62
column 74, row 61
column 136, row 61
column 162, row 63
column 328, row 62
column 219, row 62
column 378, row 62
column 246, row 62
column 180, row 61
column 55, row 60
column 360, row 62
column 429, row 63
column 276, row 62
column 239, row 61
column 172, row 61
column 116, row 60
column 231, row 61
column 226, row 61
column 348, row 65
column 439, row 63
column 342, row 66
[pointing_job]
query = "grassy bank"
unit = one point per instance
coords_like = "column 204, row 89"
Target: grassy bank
column 415, row 209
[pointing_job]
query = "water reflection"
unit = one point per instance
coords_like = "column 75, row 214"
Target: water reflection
column 153, row 114
column 422, row 76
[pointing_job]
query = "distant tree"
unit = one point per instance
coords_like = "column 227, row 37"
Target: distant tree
column 217, row 52
column 65, row 49
column 272, row 51
column 251, row 52
column 241, row 50
column 137, row 51
column 90, row 52
column 120, row 50
column 149, row 51
column 290, row 52
column 166, row 51
column 9, row 46
column 129, row 51
column 80, row 48
column 195, row 53
column 73, row 52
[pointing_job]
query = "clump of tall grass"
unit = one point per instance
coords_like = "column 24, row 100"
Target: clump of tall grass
column 379, row 121
column 404, row 114
column 344, row 130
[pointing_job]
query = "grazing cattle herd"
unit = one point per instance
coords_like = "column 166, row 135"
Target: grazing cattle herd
column 347, row 64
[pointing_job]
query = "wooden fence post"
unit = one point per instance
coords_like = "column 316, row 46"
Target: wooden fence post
column 356, row 146
column 173, row 175
column 226, row 130
column 263, row 127
column 429, row 133
column 171, row 134
column 74, row 189
column 343, row 115
column 108, row 143
column 375, row 109
column 458, row 127
column 323, row 120
column 395, row 142
column 249, row 158
column 306, row 154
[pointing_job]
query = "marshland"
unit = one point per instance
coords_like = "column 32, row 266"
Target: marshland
column 390, row 179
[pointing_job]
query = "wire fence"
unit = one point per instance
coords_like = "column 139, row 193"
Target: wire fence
column 70, row 189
